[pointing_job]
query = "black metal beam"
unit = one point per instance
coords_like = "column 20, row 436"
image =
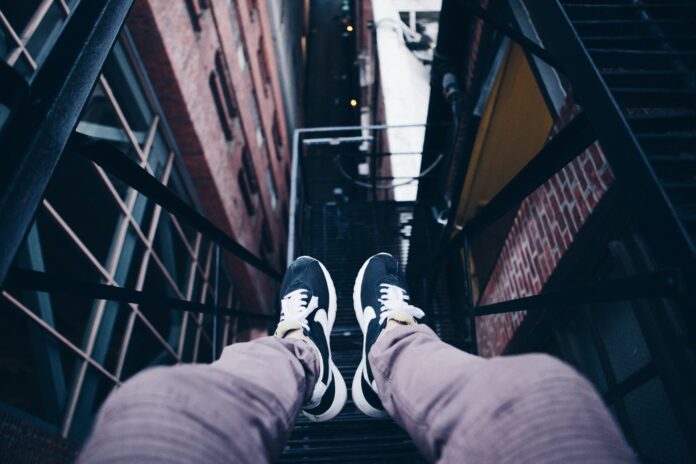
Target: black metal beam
column 652, row 285
column 574, row 138
column 39, row 128
column 57, row 283
column 370, row 154
column 112, row 160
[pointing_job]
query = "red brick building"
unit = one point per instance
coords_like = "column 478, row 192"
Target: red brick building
column 543, row 228
column 193, row 96
column 214, row 69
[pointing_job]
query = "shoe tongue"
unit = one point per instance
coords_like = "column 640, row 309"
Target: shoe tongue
column 300, row 286
column 391, row 279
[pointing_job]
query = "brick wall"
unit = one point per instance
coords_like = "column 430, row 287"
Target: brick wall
column 179, row 59
column 542, row 230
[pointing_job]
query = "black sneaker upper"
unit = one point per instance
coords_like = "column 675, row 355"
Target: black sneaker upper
column 304, row 290
column 382, row 271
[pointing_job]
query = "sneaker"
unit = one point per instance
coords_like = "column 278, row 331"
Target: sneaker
column 380, row 294
column 308, row 302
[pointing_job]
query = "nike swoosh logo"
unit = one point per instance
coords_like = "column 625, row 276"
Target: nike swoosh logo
column 368, row 315
column 313, row 303
column 322, row 318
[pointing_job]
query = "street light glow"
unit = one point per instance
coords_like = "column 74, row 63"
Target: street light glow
column 353, row 102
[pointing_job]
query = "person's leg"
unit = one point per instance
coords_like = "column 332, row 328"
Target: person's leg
column 462, row 408
column 239, row 409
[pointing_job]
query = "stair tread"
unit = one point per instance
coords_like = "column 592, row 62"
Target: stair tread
column 352, row 433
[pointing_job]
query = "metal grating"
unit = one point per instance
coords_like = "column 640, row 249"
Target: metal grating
column 24, row 441
column 343, row 236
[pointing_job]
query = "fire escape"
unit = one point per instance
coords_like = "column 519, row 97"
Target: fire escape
column 631, row 68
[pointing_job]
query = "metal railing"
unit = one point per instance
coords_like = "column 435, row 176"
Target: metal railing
column 40, row 130
column 602, row 121
column 375, row 183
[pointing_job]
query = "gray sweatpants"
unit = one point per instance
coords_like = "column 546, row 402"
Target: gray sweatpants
column 456, row 407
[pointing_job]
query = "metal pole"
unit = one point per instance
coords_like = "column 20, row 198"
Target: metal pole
column 293, row 195
column 216, row 299
column 470, row 317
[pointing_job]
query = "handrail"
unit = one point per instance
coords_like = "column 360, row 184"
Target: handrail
column 51, row 282
column 112, row 160
column 295, row 184
column 406, row 180
column 659, row 284
column 39, row 127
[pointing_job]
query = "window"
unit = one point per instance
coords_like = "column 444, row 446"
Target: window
column 246, row 195
column 221, row 71
column 248, row 167
column 277, row 138
column 225, row 103
column 612, row 345
column 266, row 237
column 260, row 139
column 237, row 33
column 248, row 184
column 195, row 10
column 215, row 90
column 263, row 65
column 100, row 230
column 272, row 189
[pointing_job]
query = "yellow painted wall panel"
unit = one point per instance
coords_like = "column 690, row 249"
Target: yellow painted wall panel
column 514, row 127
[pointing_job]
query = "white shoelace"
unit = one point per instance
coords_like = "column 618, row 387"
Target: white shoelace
column 295, row 307
column 394, row 300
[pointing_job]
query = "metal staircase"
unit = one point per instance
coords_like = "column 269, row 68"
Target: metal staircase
column 342, row 236
column 646, row 53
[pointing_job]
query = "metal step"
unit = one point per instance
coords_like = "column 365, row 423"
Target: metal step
column 343, row 236
column 662, row 121
column 636, row 97
column 641, row 60
column 624, row 10
column 634, row 27
column 675, row 168
column 668, row 143
column 646, row 79
column 685, row 42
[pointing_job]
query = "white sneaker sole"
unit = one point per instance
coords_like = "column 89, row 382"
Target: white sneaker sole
column 341, row 393
column 357, row 388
